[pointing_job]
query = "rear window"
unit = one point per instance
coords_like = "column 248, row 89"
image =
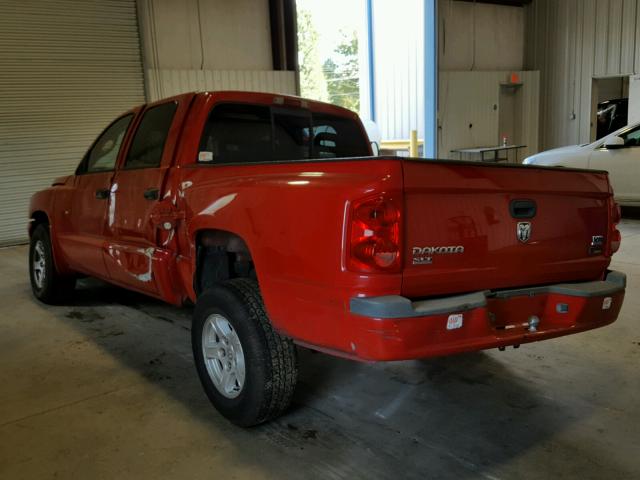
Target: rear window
column 337, row 137
column 244, row 133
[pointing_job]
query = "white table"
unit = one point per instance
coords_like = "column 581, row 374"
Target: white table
column 496, row 150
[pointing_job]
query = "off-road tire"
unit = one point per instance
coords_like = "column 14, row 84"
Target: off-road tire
column 271, row 365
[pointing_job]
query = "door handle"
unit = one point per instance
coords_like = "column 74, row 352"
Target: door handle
column 151, row 194
column 102, row 193
column 523, row 208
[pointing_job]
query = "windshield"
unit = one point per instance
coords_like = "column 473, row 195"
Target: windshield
column 617, row 133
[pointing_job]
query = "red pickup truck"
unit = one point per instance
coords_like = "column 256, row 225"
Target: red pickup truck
column 271, row 215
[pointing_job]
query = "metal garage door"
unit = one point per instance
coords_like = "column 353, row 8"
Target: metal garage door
column 66, row 69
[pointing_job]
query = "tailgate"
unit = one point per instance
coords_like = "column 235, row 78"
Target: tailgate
column 471, row 227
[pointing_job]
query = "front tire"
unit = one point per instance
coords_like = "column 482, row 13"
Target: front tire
column 47, row 284
column 247, row 369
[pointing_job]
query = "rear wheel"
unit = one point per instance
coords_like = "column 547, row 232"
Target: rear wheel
column 46, row 283
column 247, row 369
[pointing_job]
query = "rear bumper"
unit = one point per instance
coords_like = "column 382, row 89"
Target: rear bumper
column 395, row 328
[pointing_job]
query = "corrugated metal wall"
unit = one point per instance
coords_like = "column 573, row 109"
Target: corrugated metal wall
column 399, row 68
column 206, row 34
column 571, row 42
column 165, row 83
column 209, row 45
column 480, row 36
column 67, row 68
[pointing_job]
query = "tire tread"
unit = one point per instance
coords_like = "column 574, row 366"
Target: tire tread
column 283, row 357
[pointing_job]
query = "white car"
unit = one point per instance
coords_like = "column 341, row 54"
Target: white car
column 618, row 153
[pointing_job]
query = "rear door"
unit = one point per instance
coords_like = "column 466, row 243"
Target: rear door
column 137, row 190
column 623, row 165
column 82, row 231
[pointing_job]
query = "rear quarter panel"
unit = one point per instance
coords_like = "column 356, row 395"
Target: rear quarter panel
column 292, row 217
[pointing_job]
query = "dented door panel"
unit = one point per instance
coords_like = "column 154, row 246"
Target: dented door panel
column 137, row 252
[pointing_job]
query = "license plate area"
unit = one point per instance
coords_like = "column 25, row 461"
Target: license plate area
column 517, row 314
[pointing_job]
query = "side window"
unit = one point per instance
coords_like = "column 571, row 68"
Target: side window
column 104, row 153
column 148, row 142
column 632, row 138
column 236, row 133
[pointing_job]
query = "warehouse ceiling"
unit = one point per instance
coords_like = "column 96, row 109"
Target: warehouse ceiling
column 510, row 3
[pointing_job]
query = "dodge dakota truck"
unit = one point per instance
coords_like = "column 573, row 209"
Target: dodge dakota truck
column 270, row 214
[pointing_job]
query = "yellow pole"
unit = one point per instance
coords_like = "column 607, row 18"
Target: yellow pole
column 413, row 144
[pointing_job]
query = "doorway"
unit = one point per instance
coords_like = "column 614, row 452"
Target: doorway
column 510, row 116
column 609, row 105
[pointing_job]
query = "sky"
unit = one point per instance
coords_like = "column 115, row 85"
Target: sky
column 331, row 16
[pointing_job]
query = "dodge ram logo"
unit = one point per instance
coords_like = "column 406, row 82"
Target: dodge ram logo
column 523, row 231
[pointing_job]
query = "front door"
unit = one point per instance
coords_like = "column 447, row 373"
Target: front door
column 133, row 252
column 83, row 228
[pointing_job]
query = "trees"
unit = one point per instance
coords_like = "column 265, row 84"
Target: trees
column 337, row 78
column 312, row 81
column 342, row 73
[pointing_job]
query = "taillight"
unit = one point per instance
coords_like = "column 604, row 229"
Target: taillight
column 614, row 234
column 374, row 235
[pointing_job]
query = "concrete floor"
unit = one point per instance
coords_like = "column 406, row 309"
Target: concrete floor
column 105, row 388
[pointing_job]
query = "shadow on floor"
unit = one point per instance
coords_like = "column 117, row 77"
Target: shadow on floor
column 452, row 417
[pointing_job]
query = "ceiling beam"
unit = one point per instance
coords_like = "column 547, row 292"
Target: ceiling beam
column 284, row 34
column 507, row 3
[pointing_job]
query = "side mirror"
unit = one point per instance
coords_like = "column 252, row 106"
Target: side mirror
column 613, row 143
column 376, row 148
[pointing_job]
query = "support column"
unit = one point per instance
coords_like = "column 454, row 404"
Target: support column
column 371, row 61
column 430, row 78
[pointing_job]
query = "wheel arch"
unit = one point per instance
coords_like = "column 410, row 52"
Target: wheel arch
column 220, row 255
column 42, row 217
column 38, row 217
